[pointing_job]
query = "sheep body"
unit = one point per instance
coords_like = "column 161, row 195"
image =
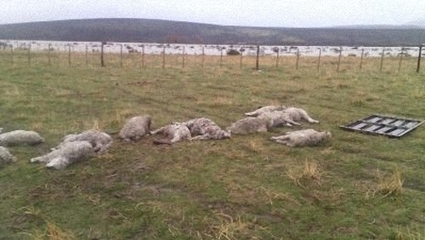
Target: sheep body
column 278, row 119
column 298, row 114
column 136, row 128
column 20, row 137
column 250, row 125
column 173, row 132
column 206, row 129
column 100, row 141
column 67, row 153
column 5, row 156
column 301, row 138
column 265, row 109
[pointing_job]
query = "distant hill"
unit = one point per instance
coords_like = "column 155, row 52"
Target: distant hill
column 417, row 23
column 162, row 31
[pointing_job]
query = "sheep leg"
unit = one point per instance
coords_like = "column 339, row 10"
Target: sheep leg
column 308, row 118
column 58, row 163
column 281, row 138
column 262, row 129
column 311, row 120
column 160, row 130
column 282, row 141
column 290, row 123
column 202, row 137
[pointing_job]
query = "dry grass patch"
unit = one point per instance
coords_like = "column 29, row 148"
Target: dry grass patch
column 391, row 185
column 51, row 231
column 414, row 233
column 311, row 173
column 230, row 227
column 270, row 196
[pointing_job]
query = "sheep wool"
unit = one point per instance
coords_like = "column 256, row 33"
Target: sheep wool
column 67, row 153
column 136, row 128
column 20, row 137
column 266, row 109
column 5, row 156
column 100, row 141
column 250, row 125
column 302, row 138
column 174, row 132
column 206, row 129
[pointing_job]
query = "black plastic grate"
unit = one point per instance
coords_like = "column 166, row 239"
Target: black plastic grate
column 390, row 126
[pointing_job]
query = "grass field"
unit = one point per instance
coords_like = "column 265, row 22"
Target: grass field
column 355, row 186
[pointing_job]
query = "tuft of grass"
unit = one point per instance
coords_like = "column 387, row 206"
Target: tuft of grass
column 311, row 173
column 229, row 228
column 391, row 185
column 51, row 231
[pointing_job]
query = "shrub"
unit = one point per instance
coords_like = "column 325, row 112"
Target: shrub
column 233, row 52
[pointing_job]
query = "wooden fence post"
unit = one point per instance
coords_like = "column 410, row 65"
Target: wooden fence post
column 257, row 61
column 339, row 59
column 69, row 55
column 277, row 57
column 120, row 55
column 143, row 56
column 87, row 50
column 318, row 61
column 183, row 52
column 221, row 56
column 382, row 60
column 361, row 60
column 29, row 54
column 102, row 62
column 163, row 57
column 203, row 56
column 401, row 59
column 48, row 53
column 11, row 54
column 419, row 58
column 298, row 59
column 240, row 58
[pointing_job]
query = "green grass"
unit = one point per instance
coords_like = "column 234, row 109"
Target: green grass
column 355, row 186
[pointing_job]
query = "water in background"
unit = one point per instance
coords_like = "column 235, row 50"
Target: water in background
column 199, row 49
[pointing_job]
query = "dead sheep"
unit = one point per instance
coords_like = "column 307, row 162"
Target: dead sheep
column 279, row 119
column 20, row 137
column 295, row 114
column 302, row 138
column 299, row 114
column 67, row 153
column 100, row 141
column 136, row 128
column 250, row 125
column 174, row 132
column 265, row 109
column 206, row 129
column 5, row 156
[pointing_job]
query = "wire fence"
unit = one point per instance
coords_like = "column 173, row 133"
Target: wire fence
column 182, row 56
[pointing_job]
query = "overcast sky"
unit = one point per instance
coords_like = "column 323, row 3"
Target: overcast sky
column 268, row 13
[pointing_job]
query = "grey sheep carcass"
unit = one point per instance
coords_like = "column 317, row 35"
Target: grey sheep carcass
column 67, row 153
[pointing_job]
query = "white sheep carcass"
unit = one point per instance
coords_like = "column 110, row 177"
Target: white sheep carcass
column 5, row 156
column 250, row 125
column 174, row 132
column 298, row 114
column 302, row 138
column 266, row 109
column 67, row 153
column 100, row 141
column 278, row 119
column 136, row 128
column 206, row 129
column 20, row 137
